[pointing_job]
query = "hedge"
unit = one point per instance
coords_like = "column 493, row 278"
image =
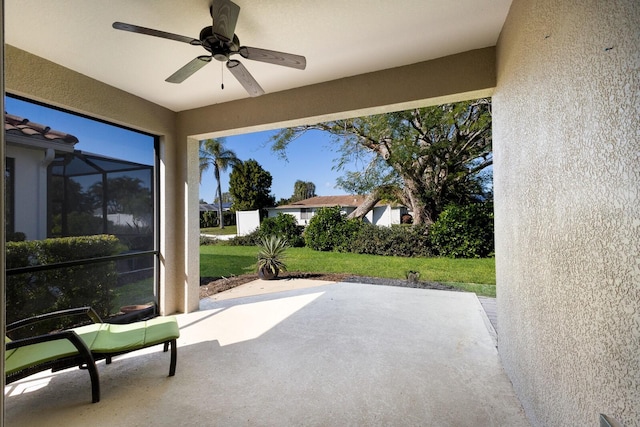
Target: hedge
column 397, row 240
column 30, row 294
column 285, row 226
column 464, row 231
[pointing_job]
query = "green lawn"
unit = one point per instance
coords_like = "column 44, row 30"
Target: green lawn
column 474, row 275
column 140, row 292
column 228, row 229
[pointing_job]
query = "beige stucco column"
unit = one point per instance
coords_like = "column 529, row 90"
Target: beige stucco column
column 192, row 226
column 2, row 214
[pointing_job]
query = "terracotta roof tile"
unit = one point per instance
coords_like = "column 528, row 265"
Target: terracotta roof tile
column 20, row 126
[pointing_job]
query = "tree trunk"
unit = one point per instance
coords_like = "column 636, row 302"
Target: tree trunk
column 220, row 218
column 411, row 197
column 368, row 204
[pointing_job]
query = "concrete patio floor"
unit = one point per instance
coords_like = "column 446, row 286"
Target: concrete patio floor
column 333, row 354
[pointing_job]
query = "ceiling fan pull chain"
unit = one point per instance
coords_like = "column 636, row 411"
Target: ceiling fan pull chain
column 222, row 75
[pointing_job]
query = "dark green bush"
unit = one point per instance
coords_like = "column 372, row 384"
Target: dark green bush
column 229, row 218
column 209, row 219
column 285, row 226
column 206, row 241
column 78, row 224
column 330, row 230
column 251, row 239
column 397, row 240
column 39, row 292
column 18, row 236
column 464, row 231
column 349, row 231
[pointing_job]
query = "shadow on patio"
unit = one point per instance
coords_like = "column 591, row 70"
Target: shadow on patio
column 338, row 354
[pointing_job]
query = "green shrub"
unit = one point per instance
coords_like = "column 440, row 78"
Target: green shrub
column 18, row 236
column 205, row 240
column 464, row 231
column 349, row 231
column 229, row 218
column 285, row 226
column 397, row 240
column 251, row 239
column 330, row 230
column 43, row 291
column 78, row 224
column 209, row 219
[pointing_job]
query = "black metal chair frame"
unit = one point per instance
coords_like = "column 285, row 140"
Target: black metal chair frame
column 85, row 359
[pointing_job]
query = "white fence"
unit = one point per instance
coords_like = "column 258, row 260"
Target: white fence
column 247, row 221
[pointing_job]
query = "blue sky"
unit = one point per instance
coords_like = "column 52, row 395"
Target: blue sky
column 95, row 137
column 310, row 158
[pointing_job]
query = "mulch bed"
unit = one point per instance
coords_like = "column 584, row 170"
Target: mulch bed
column 213, row 285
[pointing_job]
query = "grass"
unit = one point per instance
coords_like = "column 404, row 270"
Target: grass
column 140, row 292
column 228, row 229
column 473, row 275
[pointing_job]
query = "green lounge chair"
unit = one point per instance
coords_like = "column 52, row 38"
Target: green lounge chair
column 84, row 345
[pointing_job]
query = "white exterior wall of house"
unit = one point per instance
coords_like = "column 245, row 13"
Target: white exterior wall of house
column 273, row 212
column 380, row 215
column 385, row 215
column 303, row 218
column 30, row 191
column 396, row 215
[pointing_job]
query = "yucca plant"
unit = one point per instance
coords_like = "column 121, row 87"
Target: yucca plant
column 270, row 257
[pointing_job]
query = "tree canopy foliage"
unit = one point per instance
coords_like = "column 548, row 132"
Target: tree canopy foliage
column 250, row 186
column 425, row 158
column 303, row 190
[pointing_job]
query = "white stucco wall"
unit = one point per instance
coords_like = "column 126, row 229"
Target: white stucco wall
column 30, row 207
column 567, row 208
column 382, row 216
column 272, row 213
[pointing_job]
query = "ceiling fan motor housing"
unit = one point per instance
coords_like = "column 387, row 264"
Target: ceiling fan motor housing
column 218, row 48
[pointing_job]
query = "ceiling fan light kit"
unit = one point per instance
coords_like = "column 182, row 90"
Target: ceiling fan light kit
column 221, row 42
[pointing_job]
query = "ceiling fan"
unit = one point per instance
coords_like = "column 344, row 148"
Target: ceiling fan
column 221, row 42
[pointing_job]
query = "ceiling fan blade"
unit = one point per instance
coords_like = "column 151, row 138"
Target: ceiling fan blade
column 244, row 77
column 273, row 57
column 225, row 16
column 157, row 33
column 185, row 72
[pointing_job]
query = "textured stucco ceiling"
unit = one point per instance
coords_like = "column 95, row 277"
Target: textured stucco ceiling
column 339, row 38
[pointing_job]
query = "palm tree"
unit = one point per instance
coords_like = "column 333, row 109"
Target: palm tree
column 214, row 154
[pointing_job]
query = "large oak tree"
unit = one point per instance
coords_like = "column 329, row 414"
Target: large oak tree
column 425, row 158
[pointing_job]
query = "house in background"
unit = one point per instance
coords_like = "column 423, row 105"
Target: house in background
column 206, row 207
column 303, row 210
column 45, row 177
column 31, row 147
